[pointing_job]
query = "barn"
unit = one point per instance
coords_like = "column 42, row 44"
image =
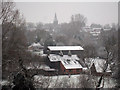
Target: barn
column 65, row 64
column 64, row 59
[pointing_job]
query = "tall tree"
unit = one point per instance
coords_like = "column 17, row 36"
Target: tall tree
column 13, row 38
column 110, row 42
column 77, row 22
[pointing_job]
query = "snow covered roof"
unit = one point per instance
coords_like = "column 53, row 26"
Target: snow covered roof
column 46, row 67
column 43, row 67
column 97, row 28
column 35, row 45
column 99, row 64
column 54, row 57
column 62, row 48
column 69, row 62
column 107, row 29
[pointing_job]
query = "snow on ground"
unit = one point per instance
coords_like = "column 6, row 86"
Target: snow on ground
column 37, row 66
column 72, row 81
column 57, row 79
column 3, row 82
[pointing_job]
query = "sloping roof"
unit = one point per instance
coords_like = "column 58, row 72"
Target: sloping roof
column 99, row 64
column 62, row 48
column 54, row 58
column 69, row 62
column 36, row 45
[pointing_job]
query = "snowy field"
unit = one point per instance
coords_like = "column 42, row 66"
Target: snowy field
column 68, row 81
column 71, row 81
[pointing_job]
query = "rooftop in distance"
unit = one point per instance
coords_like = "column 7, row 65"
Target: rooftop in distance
column 64, row 48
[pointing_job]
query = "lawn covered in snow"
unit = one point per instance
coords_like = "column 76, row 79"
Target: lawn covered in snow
column 71, row 81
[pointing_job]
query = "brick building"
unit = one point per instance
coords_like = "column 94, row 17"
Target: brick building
column 64, row 59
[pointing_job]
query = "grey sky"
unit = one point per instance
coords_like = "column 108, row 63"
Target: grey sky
column 96, row 12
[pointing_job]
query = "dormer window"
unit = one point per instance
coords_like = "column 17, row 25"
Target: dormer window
column 68, row 61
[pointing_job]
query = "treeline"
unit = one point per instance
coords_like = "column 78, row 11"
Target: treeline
column 14, row 48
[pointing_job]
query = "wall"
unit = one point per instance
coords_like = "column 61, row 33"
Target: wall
column 69, row 71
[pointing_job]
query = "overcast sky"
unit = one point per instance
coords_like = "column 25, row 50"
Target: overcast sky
column 96, row 12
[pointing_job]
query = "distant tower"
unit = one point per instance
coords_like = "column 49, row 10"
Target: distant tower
column 55, row 22
column 72, row 18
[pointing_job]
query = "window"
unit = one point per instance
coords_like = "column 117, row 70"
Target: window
column 70, row 70
column 77, row 70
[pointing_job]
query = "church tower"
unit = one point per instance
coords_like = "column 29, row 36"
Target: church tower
column 55, row 22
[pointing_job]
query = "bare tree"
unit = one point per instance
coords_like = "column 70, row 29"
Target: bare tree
column 43, row 81
column 72, row 28
column 110, row 44
column 13, row 38
column 8, row 15
column 85, row 82
column 78, row 21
